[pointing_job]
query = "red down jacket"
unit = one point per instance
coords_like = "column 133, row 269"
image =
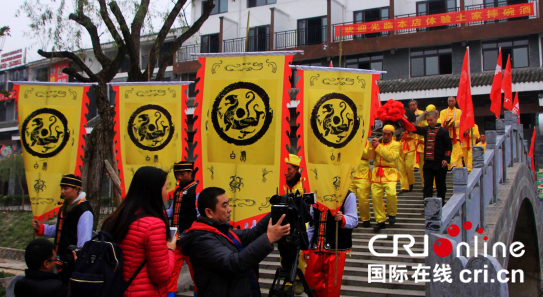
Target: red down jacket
column 146, row 238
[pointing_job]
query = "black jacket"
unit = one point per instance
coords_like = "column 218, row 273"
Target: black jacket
column 220, row 269
column 38, row 283
column 443, row 145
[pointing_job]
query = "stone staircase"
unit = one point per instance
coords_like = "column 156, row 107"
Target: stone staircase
column 409, row 220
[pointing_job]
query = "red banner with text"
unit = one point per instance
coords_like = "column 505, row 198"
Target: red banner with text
column 442, row 19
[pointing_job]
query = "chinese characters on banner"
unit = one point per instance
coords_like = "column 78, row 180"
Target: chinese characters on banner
column 443, row 19
column 56, row 74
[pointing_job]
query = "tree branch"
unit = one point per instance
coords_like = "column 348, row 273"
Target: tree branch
column 181, row 39
column 109, row 74
column 133, row 51
column 139, row 18
column 76, row 75
column 74, row 58
column 109, row 23
column 86, row 22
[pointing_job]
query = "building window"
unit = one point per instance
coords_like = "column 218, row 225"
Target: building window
column 312, row 31
column 42, row 74
column 516, row 48
column 434, row 7
column 191, row 87
column 498, row 3
column 254, row 3
column 259, row 39
column 431, row 61
column 210, row 43
column 371, row 62
column 371, row 15
column 221, row 6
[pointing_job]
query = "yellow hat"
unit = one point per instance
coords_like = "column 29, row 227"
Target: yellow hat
column 293, row 159
column 430, row 107
column 389, row 128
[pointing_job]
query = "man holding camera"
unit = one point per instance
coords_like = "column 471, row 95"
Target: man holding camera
column 321, row 258
column 182, row 214
column 74, row 223
column 225, row 260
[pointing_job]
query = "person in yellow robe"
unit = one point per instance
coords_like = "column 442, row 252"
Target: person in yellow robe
column 419, row 154
column 482, row 141
column 408, row 146
column 471, row 137
column 450, row 119
column 294, row 183
column 361, row 186
column 384, row 177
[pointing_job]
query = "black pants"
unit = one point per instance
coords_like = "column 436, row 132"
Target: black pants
column 431, row 170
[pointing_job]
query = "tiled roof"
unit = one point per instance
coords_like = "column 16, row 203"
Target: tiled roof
column 452, row 80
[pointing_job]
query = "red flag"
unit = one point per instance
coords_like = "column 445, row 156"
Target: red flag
column 531, row 153
column 331, row 65
column 463, row 97
column 496, row 91
column 516, row 107
column 507, row 86
column 375, row 101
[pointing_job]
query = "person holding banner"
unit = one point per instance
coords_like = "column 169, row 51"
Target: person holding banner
column 361, row 186
column 74, row 223
column 471, row 137
column 295, row 183
column 321, row 258
column 182, row 213
column 293, row 176
column 450, row 118
column 384, row 177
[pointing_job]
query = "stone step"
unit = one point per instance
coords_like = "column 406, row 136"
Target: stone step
column 355, row 281
column 274, row 257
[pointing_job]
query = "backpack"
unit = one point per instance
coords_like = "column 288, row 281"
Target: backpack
column 98, row 269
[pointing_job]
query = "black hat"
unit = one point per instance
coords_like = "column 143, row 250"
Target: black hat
column 71, row 180
column 183, row 166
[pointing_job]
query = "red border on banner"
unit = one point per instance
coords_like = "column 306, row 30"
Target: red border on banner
column 285, row 126
column 300, row 132
column 197, row 139
column 82, row 132
column 434, row 20
column 117, row 141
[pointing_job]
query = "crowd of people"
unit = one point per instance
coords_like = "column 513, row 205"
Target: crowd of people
column 223, row 261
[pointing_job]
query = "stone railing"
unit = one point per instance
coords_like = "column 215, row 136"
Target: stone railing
column 473, row 192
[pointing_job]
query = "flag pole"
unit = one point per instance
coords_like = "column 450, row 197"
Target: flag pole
column 337, row 222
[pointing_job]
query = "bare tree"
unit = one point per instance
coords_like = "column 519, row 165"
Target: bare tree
column 64, row 25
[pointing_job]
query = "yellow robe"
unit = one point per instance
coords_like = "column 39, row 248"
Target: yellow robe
column 361, row 184
column 408, row 142
column 384, row 178
column 454, row 115
column 467, row 142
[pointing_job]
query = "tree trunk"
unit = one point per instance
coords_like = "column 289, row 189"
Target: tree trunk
column 99, row 149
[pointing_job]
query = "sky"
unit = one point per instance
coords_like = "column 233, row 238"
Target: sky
column 19, row 25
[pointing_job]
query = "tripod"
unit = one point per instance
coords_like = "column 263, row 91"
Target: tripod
column 289, row 275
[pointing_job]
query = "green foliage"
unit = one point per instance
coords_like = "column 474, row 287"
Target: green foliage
column 13, row 200
column 16, row 229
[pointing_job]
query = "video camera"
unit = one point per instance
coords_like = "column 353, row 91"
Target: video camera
column 296, row 208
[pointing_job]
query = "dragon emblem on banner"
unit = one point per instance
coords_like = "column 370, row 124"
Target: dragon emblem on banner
column 150, row 127
column 45, row 132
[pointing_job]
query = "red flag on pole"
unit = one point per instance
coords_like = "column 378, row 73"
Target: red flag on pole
column 507, row 86
column 463, row 97
column 531, row 152
column 496, row 91
column 375, row 101
column 516, row 107
column 331, row 64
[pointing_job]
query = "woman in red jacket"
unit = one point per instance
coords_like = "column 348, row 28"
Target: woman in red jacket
column 146, row 238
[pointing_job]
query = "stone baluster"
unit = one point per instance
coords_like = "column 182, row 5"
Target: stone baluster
column 500, row 129
column 491, row 137
column 433, row 208
column 460, row 186
column 478, row 154
column 508, row 116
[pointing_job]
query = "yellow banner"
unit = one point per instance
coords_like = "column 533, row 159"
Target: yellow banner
column 149, row 128
column 242, row 108
column 335, row 112
column 51, row 125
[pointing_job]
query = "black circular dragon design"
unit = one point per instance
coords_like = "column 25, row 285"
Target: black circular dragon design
column 45, row 133
column 241, row 113
column 150, row 127
column 334, row 120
